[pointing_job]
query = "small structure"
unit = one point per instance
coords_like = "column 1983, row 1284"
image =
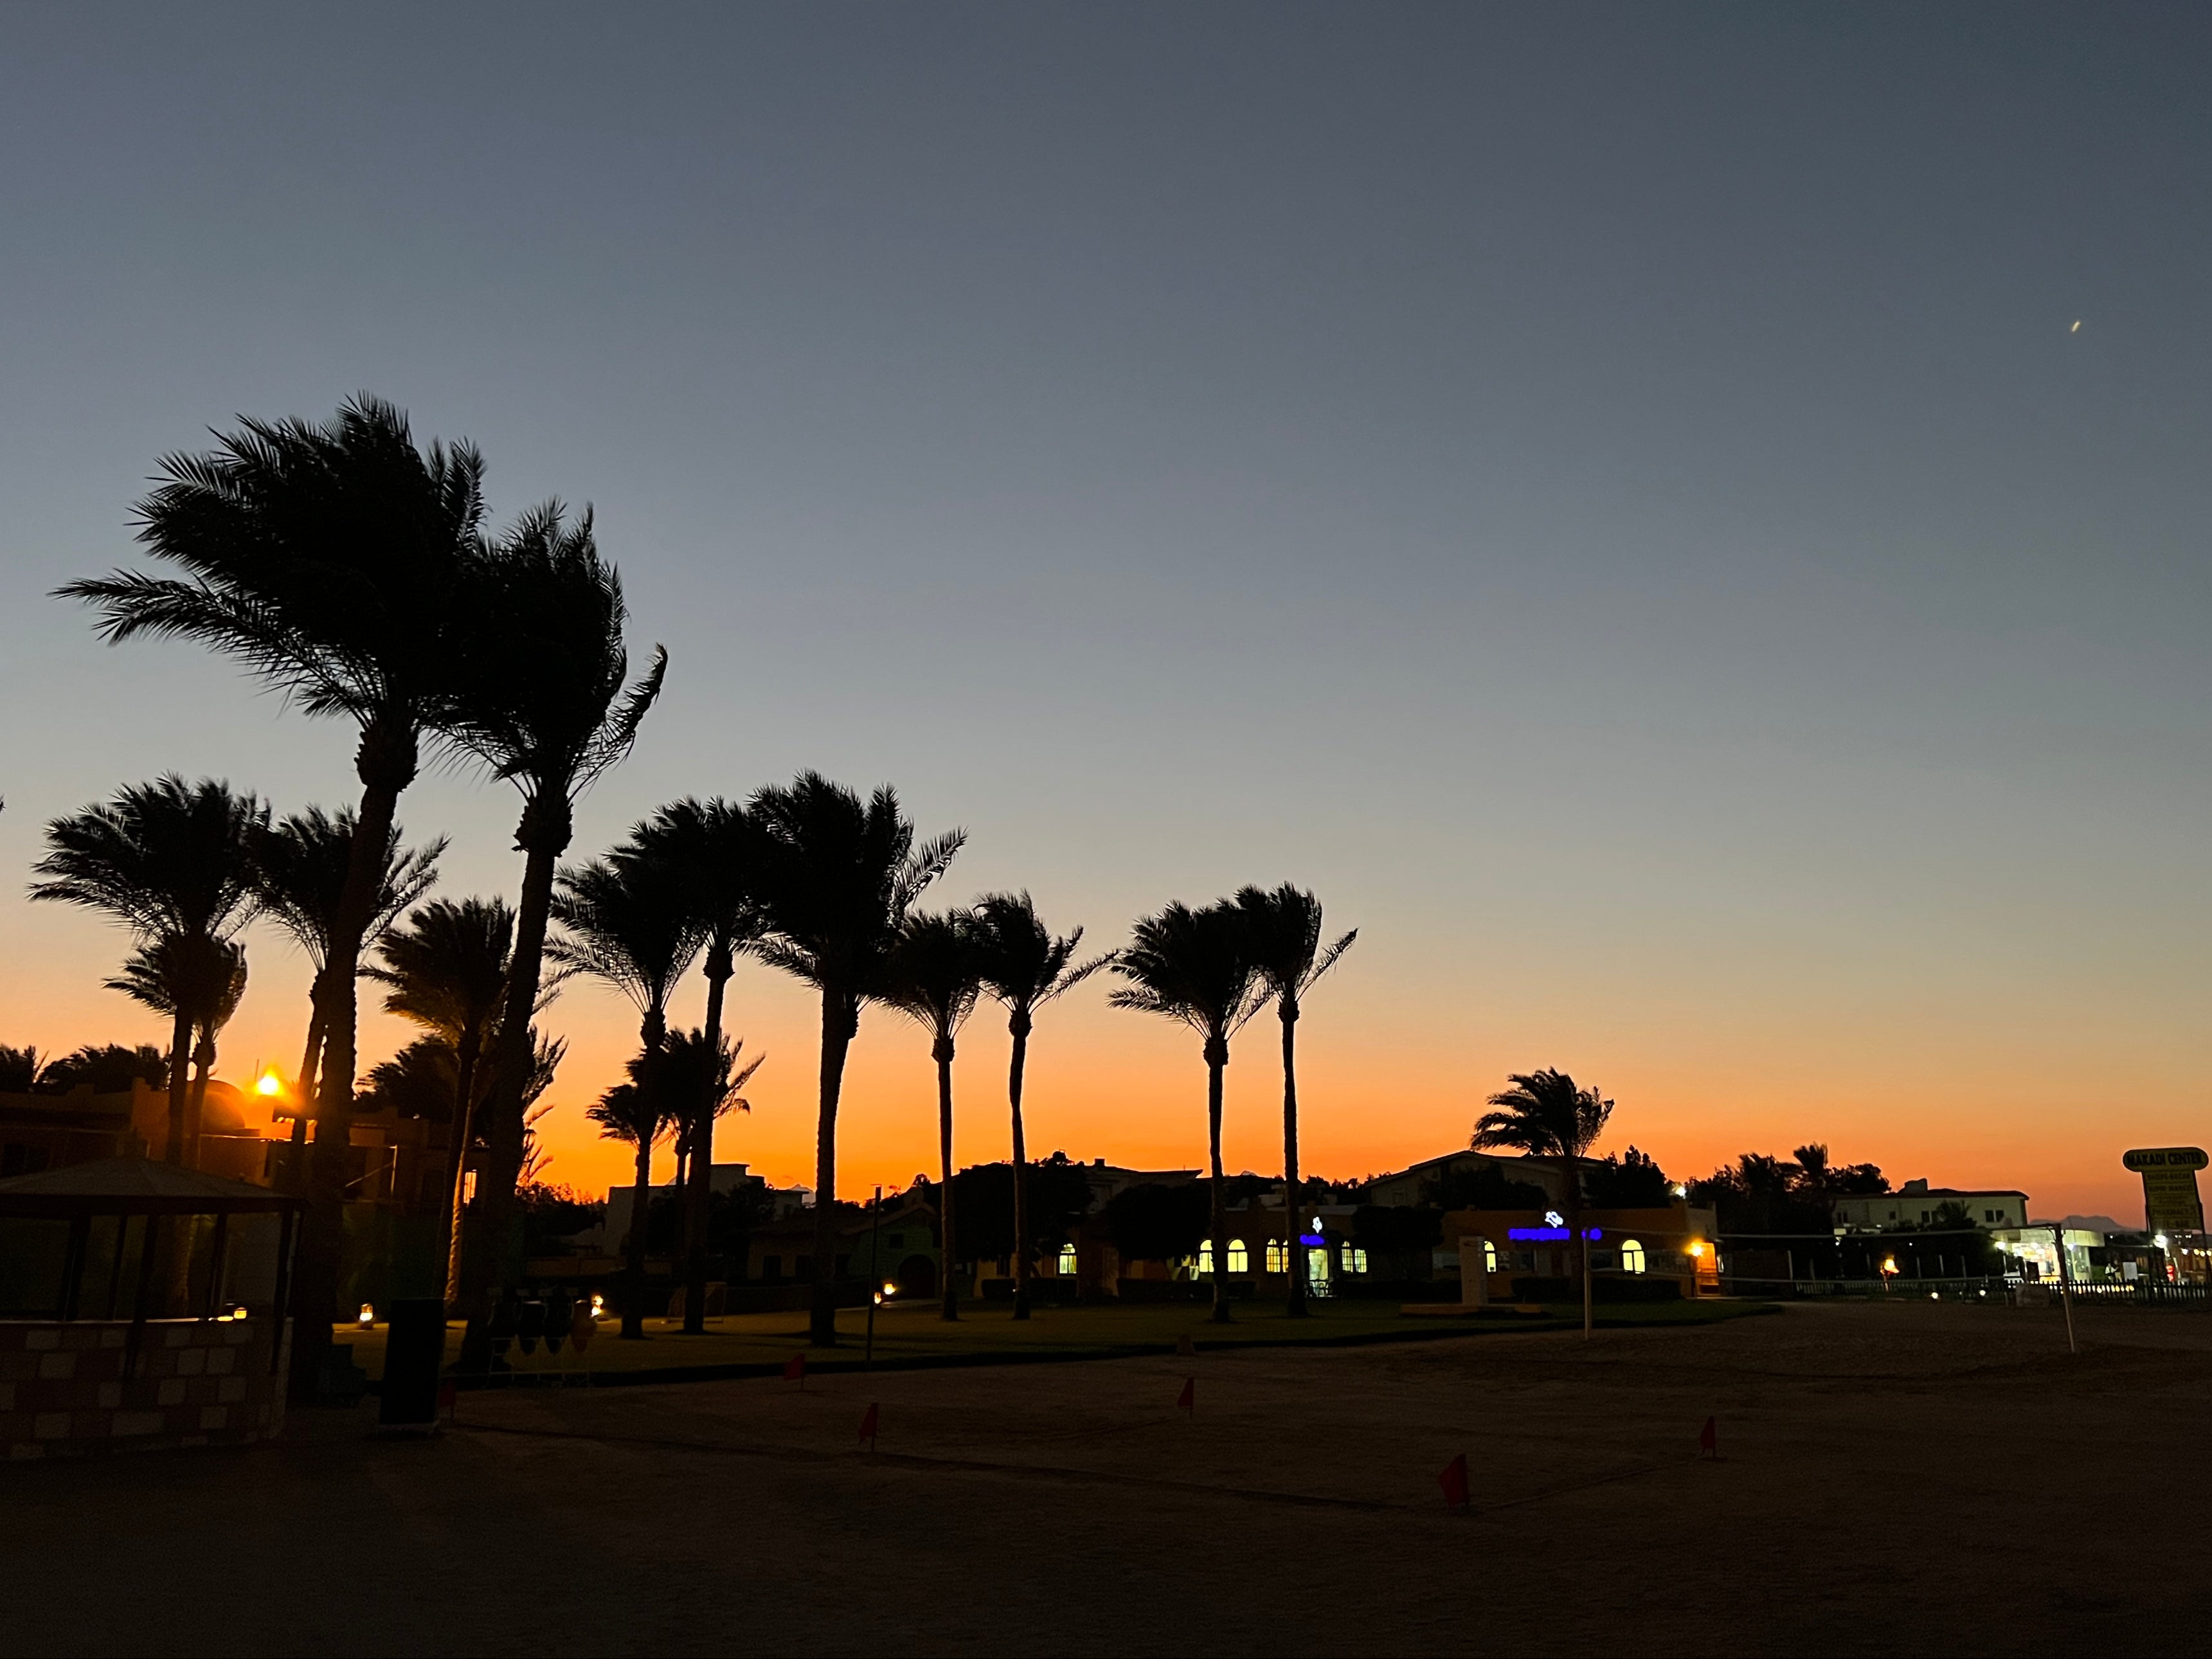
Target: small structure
column 141, row 1305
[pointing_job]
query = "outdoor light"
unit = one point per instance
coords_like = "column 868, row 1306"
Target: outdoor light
column 2159, row 1239
column 598, row 1306
column 1680, row 1189
column 1889, row 1264
column 1554, row 1218
column 889, row 1288
column 368, row 1315
column 1697, row 1250
column 1931, row 1296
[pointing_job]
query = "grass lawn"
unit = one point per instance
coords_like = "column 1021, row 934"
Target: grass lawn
column 912, row 1336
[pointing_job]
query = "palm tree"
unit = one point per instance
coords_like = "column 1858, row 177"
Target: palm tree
column 694, row 1071
column 1024, row 967
column 837, row 878
column 933, row 977
column 446, row 971
column 170, row 861
column 1196, row 967
column 204, row 979
column 23, row 1070
column 716, row 847
column 626, row 921
column 300, row 875
column 299, row 871
column 327, row 559
column 1544, row 1114
column 547, row 705
column 1285, row 932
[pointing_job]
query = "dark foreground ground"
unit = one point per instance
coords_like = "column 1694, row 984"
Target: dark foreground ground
column 1910, row 1479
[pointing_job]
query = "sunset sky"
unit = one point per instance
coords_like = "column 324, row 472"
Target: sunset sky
column 1610, row 497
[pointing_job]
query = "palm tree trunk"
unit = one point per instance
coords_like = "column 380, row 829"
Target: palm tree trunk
column 1294, row 1257
column 633, row 1317
column 699, row 1190
column 180, row 1075
column 543, row 834
column 465, row 1104
column 303, row 1092
column 203, row 1064
column 948, row 1287
column 386, row 763
column 1019, row 1024
column 1216, row 1061
column 841, row 1018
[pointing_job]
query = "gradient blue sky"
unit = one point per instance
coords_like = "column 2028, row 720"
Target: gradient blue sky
column 1609, row 495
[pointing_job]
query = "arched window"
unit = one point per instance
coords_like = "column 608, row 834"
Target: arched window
column 1355, row 1261
column 1631, row 1257
column 1068, row 1260
column 1277, row 1262
column 1489, row 1257
column 1204, row 1268
column 1240, row 1259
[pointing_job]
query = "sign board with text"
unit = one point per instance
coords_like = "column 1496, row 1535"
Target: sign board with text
column 2171, row 1203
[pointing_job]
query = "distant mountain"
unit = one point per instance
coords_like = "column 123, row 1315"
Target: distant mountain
column 2089, row 1224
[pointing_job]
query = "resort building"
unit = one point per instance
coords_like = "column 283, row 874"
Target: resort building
column 1513, row 1256
column 1915, row 1204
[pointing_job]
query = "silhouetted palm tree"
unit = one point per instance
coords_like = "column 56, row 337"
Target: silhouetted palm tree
column 837, row 878
column 626, row 921
column 170, row 861
column 1023, row 967
column 23, row 1071
column 1544, row 1114
column 546, row 704
column 716, row 847
column 204, row 979
column 933, row 977
column 446, row 971
column 299, row 872
column 1285, row 941
column 1196, row 967
column 693, row 1070
column 327, row 560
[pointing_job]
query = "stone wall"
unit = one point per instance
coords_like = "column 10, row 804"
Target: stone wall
column 196, row 1382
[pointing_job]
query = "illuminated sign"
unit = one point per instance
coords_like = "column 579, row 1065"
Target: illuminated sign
column 1550, row 1235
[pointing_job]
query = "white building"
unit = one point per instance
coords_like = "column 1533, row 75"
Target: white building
column 1915, row 1204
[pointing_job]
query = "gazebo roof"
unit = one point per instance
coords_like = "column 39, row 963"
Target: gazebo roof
column 134, row 1186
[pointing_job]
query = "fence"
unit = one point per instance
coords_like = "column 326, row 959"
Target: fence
column 2142, row 1292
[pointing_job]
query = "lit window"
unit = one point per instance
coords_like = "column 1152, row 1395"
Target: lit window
column 1631, row 1256
column 1489, row 1257
column 1205, row 1258
column 1355, row 1261
column 1275, row 1258
column 1240, row 1260
column 1068, row 1260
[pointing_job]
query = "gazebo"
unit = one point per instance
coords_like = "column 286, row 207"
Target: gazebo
column 141, row 1305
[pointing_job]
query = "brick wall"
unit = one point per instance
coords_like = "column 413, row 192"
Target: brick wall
column 196, row 1384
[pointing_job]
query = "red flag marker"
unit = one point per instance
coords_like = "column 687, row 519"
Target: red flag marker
column 794, row 1369
column 1188, row 1398
column 868, row 1428
column 1709, row 1440
column 1453, row 1481
column 449, row 1396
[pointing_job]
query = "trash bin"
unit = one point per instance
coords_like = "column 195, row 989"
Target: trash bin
column 414, row 1355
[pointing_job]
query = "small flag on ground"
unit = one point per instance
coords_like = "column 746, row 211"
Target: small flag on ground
column 449, row 1396
column 1453, row 1481
column 1188, row 1398
column 794, row 1369
column 868, row 1428
column 1709, row 1440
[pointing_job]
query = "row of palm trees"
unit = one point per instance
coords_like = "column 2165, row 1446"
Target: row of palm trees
column 356, row 572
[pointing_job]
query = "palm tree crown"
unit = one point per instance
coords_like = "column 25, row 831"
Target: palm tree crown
column 1545, row 1114
column 299, row 873
column 1195, row 966
column 166, row 858
column 626, row 921
column 1023, row 965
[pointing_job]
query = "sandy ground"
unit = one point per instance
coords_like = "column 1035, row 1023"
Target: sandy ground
column 1892, row 1479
